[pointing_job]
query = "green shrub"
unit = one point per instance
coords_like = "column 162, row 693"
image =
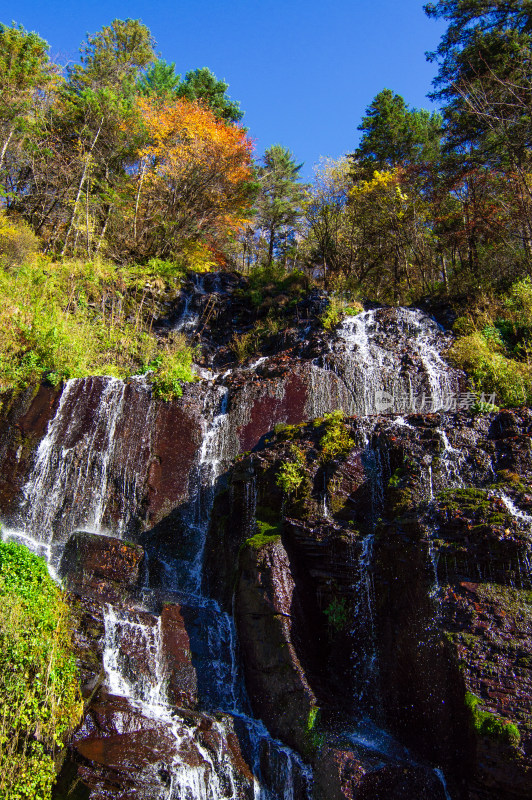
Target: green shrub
column 338, row 308
column 172, row 368
column 292, row 473
column 40, row 702
column 337, row 441
column 492, row 370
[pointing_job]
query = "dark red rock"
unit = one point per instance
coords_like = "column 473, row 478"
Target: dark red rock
column 23, row 422
column 182, row 680
column 100, row 566
column 276, row 682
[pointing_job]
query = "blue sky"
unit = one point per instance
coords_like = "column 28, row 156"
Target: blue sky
column 304, row 71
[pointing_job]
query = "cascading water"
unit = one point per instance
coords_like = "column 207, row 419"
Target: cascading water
column 389, row 361
column 88, row 475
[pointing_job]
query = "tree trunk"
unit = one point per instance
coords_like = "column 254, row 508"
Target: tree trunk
column 80, row 188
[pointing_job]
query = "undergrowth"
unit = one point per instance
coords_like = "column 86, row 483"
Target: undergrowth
column 494, row 345
column 70, row 319
column 40, row 701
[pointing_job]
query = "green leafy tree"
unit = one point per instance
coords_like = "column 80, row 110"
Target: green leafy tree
column 98, row 118
column 26, row 78
column 201, row 84
column 279, row 206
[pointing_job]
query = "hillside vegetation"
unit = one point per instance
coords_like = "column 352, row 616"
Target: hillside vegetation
column 117, row 175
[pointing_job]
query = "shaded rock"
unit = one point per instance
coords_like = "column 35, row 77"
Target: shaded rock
column 182, row 680
column 276, row 682
column 342, row 774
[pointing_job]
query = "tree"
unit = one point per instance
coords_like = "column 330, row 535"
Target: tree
column 201, row 84
column 329, row 225
column 159, row 80
column 97, row 115
column 197, row 180
column 394, row 135
column 485, row 80
column 279, row 205
column 26, row 78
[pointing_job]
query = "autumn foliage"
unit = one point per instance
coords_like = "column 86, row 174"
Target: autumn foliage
column 193, row 178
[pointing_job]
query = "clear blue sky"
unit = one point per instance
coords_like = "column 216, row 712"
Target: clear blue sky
column 303, row 71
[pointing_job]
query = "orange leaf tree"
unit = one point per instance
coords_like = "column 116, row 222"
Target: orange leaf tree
column 194, row 179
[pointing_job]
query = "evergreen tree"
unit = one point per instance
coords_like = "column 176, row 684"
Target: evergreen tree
column 280, row 202
column 159, row 80
column 201, row 84
column 395, row 135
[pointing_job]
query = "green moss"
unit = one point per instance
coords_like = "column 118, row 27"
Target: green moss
column 338, row 613
column 396, row 478
column 291, row 474
column 337, row 441
column 286, row 432
column 261, row 540
column 487, row 724
column 267, row 528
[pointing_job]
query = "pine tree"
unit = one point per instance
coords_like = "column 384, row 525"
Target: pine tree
column 280, row 202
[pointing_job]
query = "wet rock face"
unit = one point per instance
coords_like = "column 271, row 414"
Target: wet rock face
column 23, row 423
column 408, row 560
column 101, row 566
column 119, row 752
column 182, row 679
column 275, row 678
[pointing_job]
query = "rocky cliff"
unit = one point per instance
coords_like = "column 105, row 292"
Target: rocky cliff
column 273, row 599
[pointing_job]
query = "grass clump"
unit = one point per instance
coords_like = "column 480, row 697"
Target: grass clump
column 40, row 701
column 337, row 441
column 291, row 474
column 487, row 724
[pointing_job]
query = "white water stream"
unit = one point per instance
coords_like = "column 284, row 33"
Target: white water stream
column 69, row 489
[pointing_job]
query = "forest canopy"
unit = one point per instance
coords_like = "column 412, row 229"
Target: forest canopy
column 121, row 160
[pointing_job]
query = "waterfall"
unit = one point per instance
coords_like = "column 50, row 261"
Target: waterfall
column 88, row 474
column 389, row 360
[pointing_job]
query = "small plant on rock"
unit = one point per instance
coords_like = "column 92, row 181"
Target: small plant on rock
column 292, row 473
column 337, row 441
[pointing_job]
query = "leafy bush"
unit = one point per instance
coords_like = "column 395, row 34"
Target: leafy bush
column 40, row 702
column 17, row 241
column 338, row 308
column 494, row 345
column 292, row 473
column 337, row 441
column 492, row 370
